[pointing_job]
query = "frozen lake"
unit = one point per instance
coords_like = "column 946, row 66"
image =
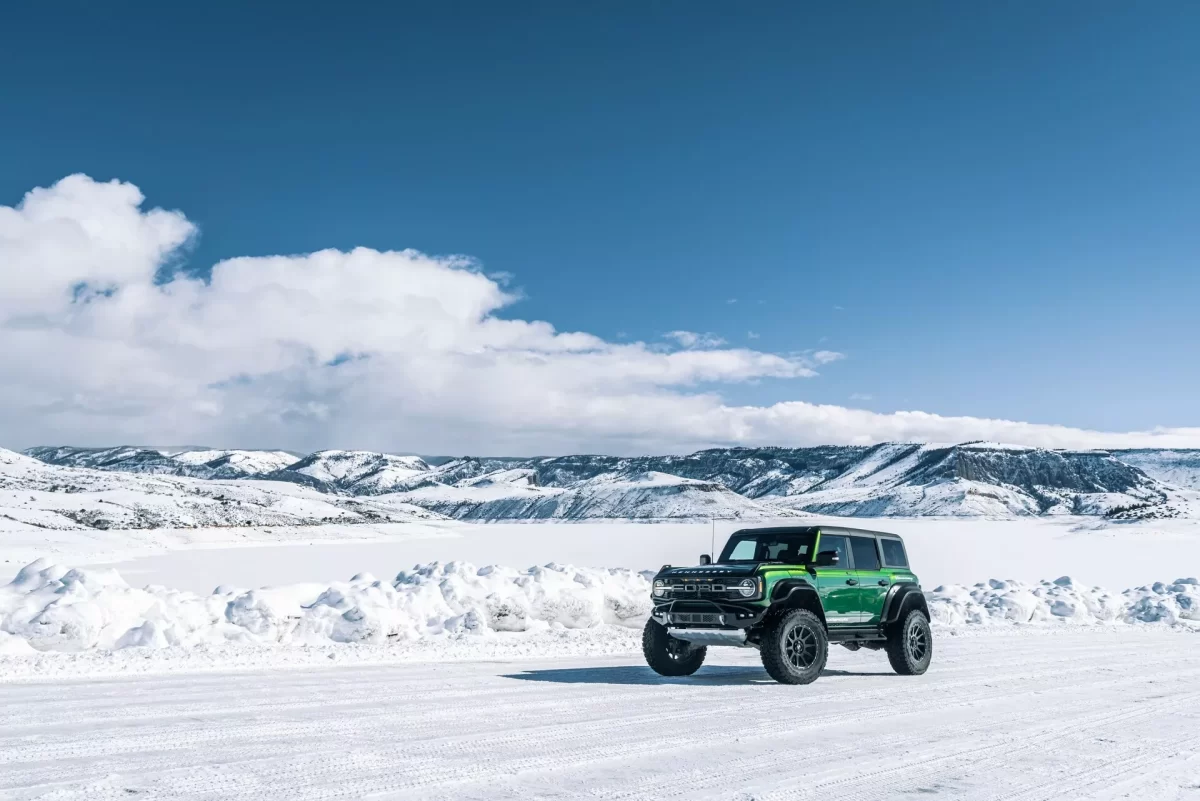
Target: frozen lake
column 942, row 551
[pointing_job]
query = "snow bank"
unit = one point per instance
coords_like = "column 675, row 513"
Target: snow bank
column 1064, row 600
column 52, row 608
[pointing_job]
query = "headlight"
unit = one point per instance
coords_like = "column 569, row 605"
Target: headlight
column 747, row 588
column 660, row 589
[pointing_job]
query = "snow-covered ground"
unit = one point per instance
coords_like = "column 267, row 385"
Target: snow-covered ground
column 1101, row 714
column 457, row 681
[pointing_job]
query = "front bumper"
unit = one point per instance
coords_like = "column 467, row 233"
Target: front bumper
column 732, row 637
column 707, row 614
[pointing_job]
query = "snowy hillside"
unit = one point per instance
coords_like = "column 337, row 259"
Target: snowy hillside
column 236, row 464
column 34, row 494
column 360, row 472
column 1179, row 468
column 892, row 479
column 972, row 480
column 884, row 480
column 512, row 494
column 215, row 464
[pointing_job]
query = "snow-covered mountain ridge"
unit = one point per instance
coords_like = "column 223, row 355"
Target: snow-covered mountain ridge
column 37, row 495
column 892, row 479
column 215, row 464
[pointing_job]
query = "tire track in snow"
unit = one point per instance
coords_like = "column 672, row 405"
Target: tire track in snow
column 461, row 731
column 475, row 757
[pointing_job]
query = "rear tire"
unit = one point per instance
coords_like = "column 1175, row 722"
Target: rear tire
column 910, row 644
column 668, row 656
column 794, row 648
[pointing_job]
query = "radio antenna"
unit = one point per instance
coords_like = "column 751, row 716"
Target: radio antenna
column 712, row 544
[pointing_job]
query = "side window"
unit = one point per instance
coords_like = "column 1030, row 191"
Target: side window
column 776, row 550
column 865, row 555
column 893, row 553
column 837, row 543
column 787, row 550
column 744, row 550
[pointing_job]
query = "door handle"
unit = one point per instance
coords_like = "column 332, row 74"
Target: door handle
column 883, row 582
column 851, row 581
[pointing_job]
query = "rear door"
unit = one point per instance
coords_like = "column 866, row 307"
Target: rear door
column 838, row 585
column 873, row 581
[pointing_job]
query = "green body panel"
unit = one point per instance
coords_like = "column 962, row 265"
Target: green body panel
column 772, row 576
column 840, row 599
column 873, row 587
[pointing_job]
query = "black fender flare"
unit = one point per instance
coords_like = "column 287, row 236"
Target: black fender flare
column 793, row 593
column 902, row 597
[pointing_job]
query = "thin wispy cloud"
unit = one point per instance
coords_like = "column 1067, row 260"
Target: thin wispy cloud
column 691, row 339
column 860, row 396
column 827, row 356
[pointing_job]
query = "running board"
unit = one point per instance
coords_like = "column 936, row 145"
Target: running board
column 864, row 633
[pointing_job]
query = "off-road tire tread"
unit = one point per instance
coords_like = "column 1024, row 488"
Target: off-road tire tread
column 654, row 648
column 898, row 654
column 773, row 657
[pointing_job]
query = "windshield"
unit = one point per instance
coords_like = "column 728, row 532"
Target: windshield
column 761, row 546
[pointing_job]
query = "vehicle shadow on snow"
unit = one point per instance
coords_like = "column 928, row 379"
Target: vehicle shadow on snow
column 635, row 674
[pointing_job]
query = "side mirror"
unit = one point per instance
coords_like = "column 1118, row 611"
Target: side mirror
column 705, row 559
column 827, row 559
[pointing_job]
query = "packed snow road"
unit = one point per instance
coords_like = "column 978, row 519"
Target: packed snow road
column 1097, row 713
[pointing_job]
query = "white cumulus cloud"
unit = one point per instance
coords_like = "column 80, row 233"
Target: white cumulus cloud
column 391, row 350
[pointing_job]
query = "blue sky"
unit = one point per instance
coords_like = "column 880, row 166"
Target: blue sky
column 990, row 209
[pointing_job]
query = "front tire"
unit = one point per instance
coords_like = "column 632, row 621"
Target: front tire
column 795, row 647
column 668, row 656
column 910, row 644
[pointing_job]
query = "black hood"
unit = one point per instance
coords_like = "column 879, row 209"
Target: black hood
column 713, row 571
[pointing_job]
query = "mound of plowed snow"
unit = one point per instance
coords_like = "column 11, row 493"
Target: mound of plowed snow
column 1064, row 600
column 53, row 608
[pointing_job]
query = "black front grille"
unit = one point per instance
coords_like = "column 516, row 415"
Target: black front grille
column 697, row 618
column 691, row 588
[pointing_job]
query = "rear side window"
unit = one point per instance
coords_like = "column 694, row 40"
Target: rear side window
column 865, row 555
column 893, row 553
column 838, row 544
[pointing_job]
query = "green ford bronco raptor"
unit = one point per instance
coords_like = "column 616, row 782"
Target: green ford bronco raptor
column 789, row 592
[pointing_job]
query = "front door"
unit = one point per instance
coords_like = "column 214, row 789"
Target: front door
column 873, row 582
column 838, row 585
